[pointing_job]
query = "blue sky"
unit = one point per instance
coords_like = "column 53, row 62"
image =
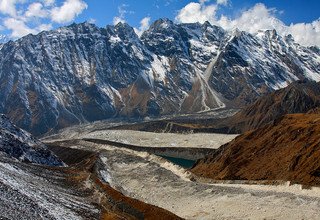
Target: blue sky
column 297, row 17
column 294, row 11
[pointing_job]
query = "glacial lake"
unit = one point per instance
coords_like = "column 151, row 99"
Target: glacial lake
column 180, row 161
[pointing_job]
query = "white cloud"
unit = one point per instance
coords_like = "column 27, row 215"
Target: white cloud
column 18, row 27
column 122, row 13
column 168, row 2
column 259, row 17
column 219, row 2
column 306, row 33
column 222, row 2
column 203, row 1
column 36, row 10
column 22, row 17
column 44, row 27
column 92, row 21
column 197, row 12
column 256, row 18
column 48, row 2
column 117, row 20
column 8, row 7
column 68, row 11
column 144, row 25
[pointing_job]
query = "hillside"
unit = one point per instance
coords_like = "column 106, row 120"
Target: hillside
column 287, row 149
column 298, row 97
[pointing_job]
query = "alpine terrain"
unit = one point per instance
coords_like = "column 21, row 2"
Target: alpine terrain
column 36, row 184
column 179, row 121
column 82, row 72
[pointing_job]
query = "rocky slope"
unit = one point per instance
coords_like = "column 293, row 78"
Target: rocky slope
column 288, row 149
column 19, row 144
column 83, row 73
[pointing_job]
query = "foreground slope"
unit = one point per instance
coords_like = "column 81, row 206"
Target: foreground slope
column 75, row 192
column 35, row 183
column 83, row 73
column 288, row 149
column 34, row 192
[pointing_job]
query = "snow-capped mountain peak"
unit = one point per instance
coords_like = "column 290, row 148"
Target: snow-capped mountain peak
column 82, row 72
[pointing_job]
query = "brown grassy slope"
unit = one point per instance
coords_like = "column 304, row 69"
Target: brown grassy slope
column 314, row 111
column 298, row 97
column 288, row 149
column 150, row 212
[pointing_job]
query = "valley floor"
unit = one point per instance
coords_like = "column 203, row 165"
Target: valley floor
column 150, row 139
column 156, row 181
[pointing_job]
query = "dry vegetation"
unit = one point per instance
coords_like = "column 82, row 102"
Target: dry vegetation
column 288, row 149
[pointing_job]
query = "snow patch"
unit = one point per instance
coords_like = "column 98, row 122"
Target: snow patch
column 114, row 39
column 159, row 66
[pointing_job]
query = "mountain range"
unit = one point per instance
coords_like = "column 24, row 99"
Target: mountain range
column 82, row 73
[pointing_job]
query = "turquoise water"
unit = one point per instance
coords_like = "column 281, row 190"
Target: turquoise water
column 179, row 161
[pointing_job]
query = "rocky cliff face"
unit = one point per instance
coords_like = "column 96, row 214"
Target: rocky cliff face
column 85, row 73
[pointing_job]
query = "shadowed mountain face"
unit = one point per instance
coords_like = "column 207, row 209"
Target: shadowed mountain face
column 19, row 144
column 83, row 73
column 288, row 149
